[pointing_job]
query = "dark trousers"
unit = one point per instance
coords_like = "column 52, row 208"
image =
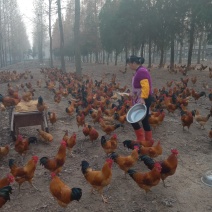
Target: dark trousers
column 145, row 122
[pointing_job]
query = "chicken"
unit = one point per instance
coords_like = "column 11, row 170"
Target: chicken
column 110, row 145
column 126, row 162
column 71, row 142
column 210, row 134
column 62, row 192
column 108, row 129
column 9, row 101
column 41, row 106
column 6, row 181
column 194, row 80
column 22, row 144
column 202, row 120
column 98, row 179
column 52, row 117
column 110, row 112
column 155, row 121
column 5, row 195
column 25, row 173
column 80, row 120
column 2, row 107
column 70, row 109
column 4, row 150
column 152, row 152
column 57, row 98
column 55, row 164
column 85, row 130
column 27, row 96
column 121, row 119
column 44, row 136
column 186, row 119
column 196, row 95
column 96, row 115
column 93, row 134
column 148, row 179
column 169, row 84
column 168, row 165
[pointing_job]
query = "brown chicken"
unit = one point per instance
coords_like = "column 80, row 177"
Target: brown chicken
column 155, row 121
column 9, row 101
column 52, row 117
column 70, row 109
column 44, row 136
column 152, row 152
column 196, row 95
column 169, row 83
column 194, row 80
column 55, row 164
column 5, row 195
column 22, row 145
column 126, row 162
column 148, row 179
column 6, row 181
column 57, row 98
column 96, row 115
column 168, row 165
column 4, row 150
column 80, row 120
column 202, row 120
column 186, row 119
column 108, row 129
column 98, row 179
column 86, row 130
column 25, row 173
column 27, row 96
column 93, row 134
column 110, row 145
column 63, row 193
column 210, row 134
column 41, row 106
column 71, row 142
column 121, row 119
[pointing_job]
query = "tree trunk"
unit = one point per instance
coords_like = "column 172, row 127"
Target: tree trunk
column 62, row 59
column 181, row 51
column 161, row 57
column 103, row 59
column 153, row 57
column 50, row 34
column 108, row 57
column 116, row 58
column 126, row 54
column 142, row 49
column 77, row 37
column 191, row 43
column 150, row 53
column 172, row 53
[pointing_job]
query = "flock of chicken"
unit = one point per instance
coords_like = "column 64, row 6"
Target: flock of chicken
column 100, row 102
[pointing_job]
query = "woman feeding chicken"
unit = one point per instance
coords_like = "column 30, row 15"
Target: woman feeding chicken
column 141, row 93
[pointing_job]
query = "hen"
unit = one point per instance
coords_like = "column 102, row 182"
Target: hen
column 63, row 193
column 22, row 145
column 25, row 173
column 41, row 106
column 98, row 179
column 168, row 165
column 6, row 181
column 202, row 120
column 4, row 150
column 153, row 151
column 110, row 145
column 126, row 162
column 5, row 195
column 93, row 134
column 52, row 117
column 148, row 179
column 55, row 164
column 71, row 142
column 186, row 119
column 44, row 136
column 108, row 129
column 9, row 101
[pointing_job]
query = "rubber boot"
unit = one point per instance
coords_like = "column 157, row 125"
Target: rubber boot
column 148, row 137
column 140, row 134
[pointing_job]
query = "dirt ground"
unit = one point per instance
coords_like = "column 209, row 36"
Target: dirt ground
column 185, row 193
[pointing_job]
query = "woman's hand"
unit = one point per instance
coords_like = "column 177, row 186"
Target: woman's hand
column 142, row 101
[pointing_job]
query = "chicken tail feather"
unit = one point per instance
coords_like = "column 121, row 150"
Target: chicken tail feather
column 76, row 193
column 149, row 162
column 85, row 166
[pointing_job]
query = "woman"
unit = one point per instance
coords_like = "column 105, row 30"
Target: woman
column 141, row 93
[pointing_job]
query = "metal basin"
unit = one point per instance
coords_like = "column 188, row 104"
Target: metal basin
column 207, row 178
column 136, row 113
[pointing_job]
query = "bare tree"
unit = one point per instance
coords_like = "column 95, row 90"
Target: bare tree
column 61, row 37
column 77, row 37
column 50, row 33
